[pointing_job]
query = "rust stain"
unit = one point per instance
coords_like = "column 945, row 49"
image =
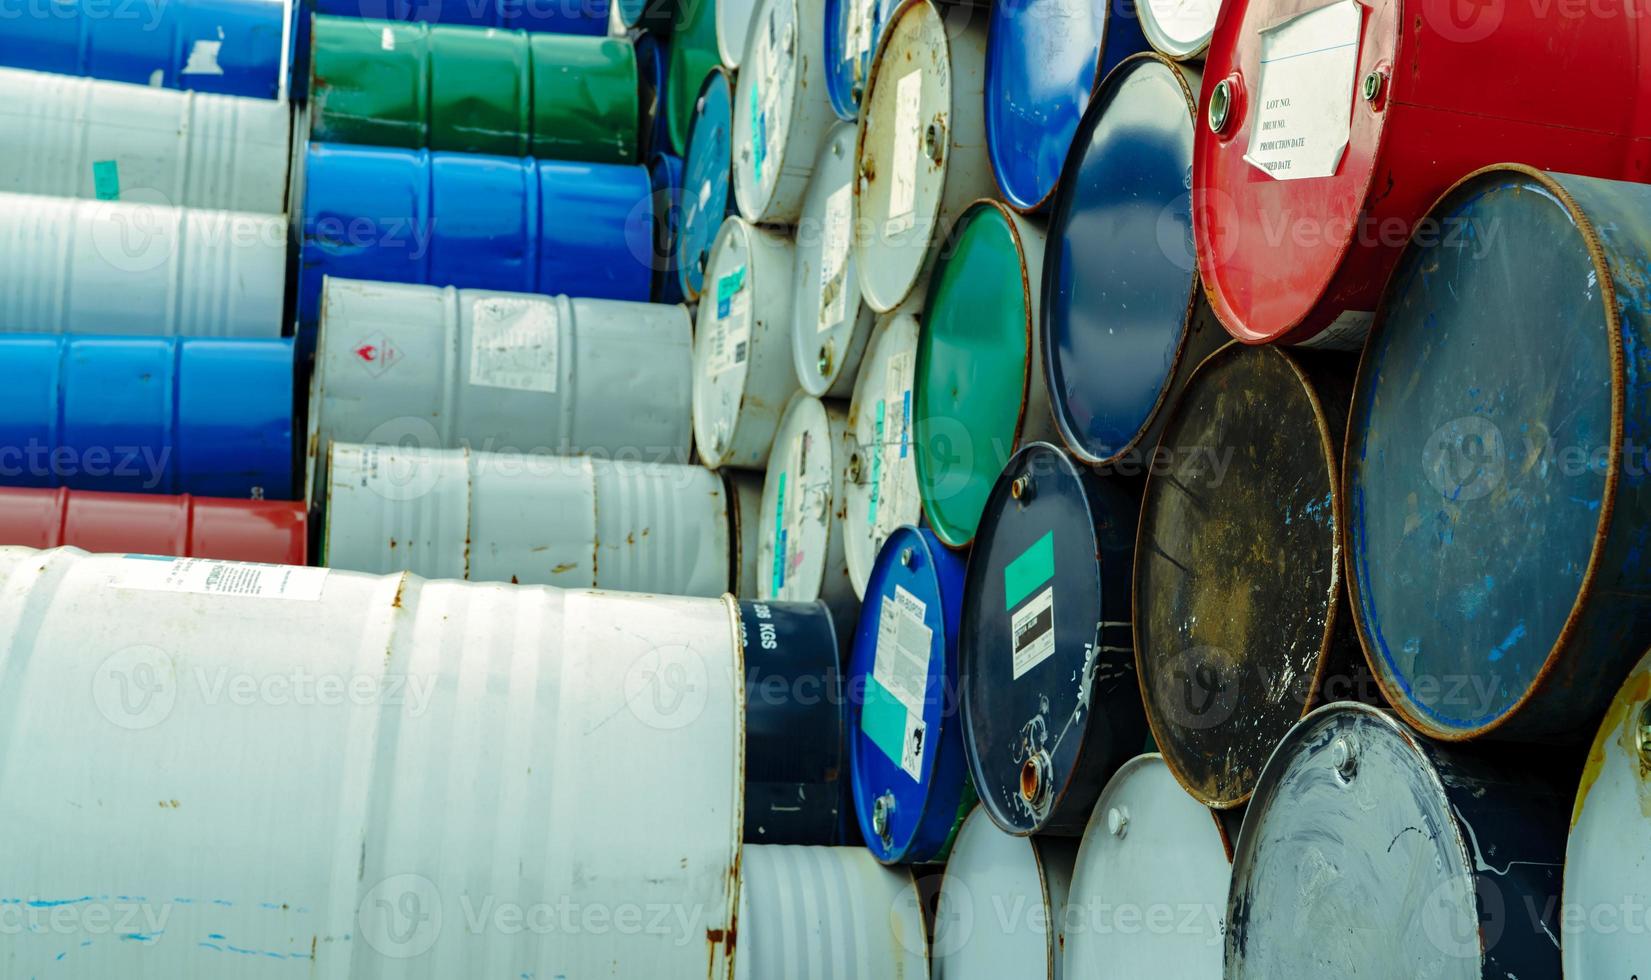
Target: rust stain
column 401, row 586
column 564, row 567
column 1634, row 692
column 514, row 580
column 169, row 804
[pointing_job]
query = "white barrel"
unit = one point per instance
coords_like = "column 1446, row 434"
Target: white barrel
column 733, row 29
column 1002, row 905
column 831, row 323
column 742, row 346
column 880, row 464
column 441, row 368
column 781, row 113
column 568, row 521
column 745, row 513
column 122, row 267
column 1149, row 890
column 800, row 556
column 71, row 136
column 1178, row 29
column 921, row 147
column 827, row 913
column 340, row 776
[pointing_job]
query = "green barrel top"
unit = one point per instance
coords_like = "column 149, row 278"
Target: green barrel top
column 693, row 55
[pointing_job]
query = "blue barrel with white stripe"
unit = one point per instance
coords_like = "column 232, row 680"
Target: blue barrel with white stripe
column 194, row 415
column 539, row 16
column 707, row 180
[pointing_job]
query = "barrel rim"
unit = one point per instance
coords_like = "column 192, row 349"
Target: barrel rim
column 1160, row 41
column 1359, row 407
column 705, row 86
column 1054, row 931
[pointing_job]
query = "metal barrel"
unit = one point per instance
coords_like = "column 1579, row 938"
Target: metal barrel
column 733, row 25
column 1606, row 891
column 1051, row 707
column 796, row 740
column 1371, row 851
column 707, row 181
column 653, row 54
column 800, row 540
column 910, row 775
column 548, row 16
column 1044, row 59
column 85, row 138
column 507, row 372
column 830, row 324
column 272, row 531
column 230, row 47
column 379, row 714
column 978, row 392
column 665, row 173
column 827, row 913
column 1149, row 888
column 475, row 222
column 135, row 267
column 852, row 31
column 1310, row 178
column 1124, row 319
column 568, row 521
column 1002, row 906
column 694, row 55
column 1178, row 29
column 475, row 90
column 921, row 148
column 1240, row 609
column 149, row 415
column 648, row 16
column 743, row 375
column 880, row 469
column 744, row 489
column 1494, row 538
column 781, row 119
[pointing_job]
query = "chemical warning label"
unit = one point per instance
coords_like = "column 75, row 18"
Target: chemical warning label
column 731, row 333
column 1303, row 108
column 513, row 344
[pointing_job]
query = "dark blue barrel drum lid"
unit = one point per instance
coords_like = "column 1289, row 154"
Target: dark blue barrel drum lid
column 910, row 773
column 1369, row 850
column 1499, row 534
column 1044, row 59
column 1240, row 609
column 852, row 30
column 1051, row 706
column 707, row 180
column 589, row 17
column 1124, row 322
column 196, row 415
column 649, row 16
column 665, row 172
column 796, row 740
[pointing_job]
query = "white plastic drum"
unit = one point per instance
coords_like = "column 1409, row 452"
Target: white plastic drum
column 1149, row 891
column 1178, row 29
column 781, row 113
column 745, row 516
column 831, row 323
column 921, row 147
column 800, row 555
column 733, row 29
column 1002, row 905
column 880, row 475
column 119, row 267
column 69, row 136
column 569, row 521
column 742, row 346
column 827, row 913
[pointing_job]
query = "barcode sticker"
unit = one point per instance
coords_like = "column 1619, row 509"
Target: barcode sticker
column 731, row 332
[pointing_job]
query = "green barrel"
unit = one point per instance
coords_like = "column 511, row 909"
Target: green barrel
column 693, row 55
column 474, row 90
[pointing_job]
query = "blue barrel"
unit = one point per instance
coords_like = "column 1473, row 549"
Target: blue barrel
column 1051, row 703
column 650, row 16
column 543, row 16
column 910, row 773
column 1043, row 60
column 476, row 222
column 653, row 53
column 852, row 30
column 148, row 415
column 666, row 173
column 795, row 730
column 1123, row 321
column 232, row 47
column 707, row 181
column 1499, row 534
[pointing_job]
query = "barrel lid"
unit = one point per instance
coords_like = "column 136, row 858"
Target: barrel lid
column 852, row 30
column 1298, row 145
column 1148, row 845
column 665, row 173
column 880, row 480
column 1351, row 856
column 706, row 181
column 733, row 29
column 693, row 53
column 722, row 339
column 1609, row 850
column 1238, row 582
column 973, row 369
column 1178, row 29
column 766, row 98
column 831, row 324
column 794, row 540
column 1002, row 904
column 902, row 142
column 1116, row 314
column 1043, row 60
column 1479, row 485
column 1050, row 702
column 911, row 781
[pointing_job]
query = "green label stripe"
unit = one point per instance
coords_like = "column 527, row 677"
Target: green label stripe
column 1035, row 566
column 883, row 719
column 106, row 180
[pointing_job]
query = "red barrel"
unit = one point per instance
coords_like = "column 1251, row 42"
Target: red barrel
column 274, row 531
column 1327, row 130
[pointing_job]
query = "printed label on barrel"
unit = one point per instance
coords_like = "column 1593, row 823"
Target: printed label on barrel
column 1303, row 109
column 791, row 510
column 205, row 576
column 1345, row 333
column 834, row 258
column 1029, row 597
column 860, row 31
column 908, row 102
column 900, row 666
column 731, row 333
column 896, row 491
column 514, row 344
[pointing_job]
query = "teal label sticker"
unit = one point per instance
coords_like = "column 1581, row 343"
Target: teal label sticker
column 876, row 467
column 883, row 719
column 779, row 537
column 727, row 286
column 106, row 180
column 1035, row 566
column 759, row 133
